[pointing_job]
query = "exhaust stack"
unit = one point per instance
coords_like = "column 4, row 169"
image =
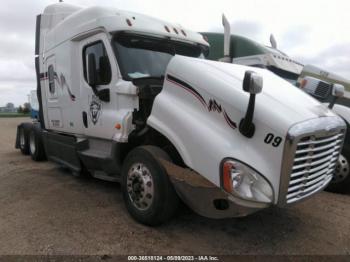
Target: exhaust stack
column 227, row 40
column 273, row 41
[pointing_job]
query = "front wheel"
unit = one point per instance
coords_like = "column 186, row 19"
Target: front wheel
column 148, row 193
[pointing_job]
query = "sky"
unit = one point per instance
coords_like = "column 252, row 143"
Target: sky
column 312, row 32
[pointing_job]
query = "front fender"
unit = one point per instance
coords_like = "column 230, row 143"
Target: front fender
column 342, row 111
column 205, row 134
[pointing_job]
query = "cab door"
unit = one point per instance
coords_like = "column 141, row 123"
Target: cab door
column 98, row 117
column 54, row 110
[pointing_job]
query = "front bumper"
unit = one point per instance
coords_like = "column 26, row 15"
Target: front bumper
column 205, row 198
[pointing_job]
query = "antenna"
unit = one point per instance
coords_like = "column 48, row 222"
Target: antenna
column 61, row 1
column 273, row 41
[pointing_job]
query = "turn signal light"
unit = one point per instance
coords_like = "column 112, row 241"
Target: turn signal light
column 303, row 83
column 227, row 180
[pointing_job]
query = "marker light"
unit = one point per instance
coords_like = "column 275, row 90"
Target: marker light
column 128, row 22
column 242, row 181
column 205, row 38
column 303, row 83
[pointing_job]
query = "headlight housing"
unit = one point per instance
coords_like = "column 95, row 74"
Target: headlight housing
column 244, row 182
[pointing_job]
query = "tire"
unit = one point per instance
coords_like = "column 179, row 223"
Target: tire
column 36, row 146
column 23, row 140
column 149, row 196
column 341, row 178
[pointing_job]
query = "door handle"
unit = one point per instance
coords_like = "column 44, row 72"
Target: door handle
column 85, row 120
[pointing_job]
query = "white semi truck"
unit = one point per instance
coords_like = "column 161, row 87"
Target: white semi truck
column 130, row 98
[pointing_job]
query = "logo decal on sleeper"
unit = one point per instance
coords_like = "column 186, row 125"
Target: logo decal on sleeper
column 95, row 109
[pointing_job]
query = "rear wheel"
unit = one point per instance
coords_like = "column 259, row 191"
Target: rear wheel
column 36, row 147
column 341, row 178
column 148, row 193
column 23, row 141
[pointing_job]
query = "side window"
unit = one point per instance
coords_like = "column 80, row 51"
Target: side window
column 103, row 67
column 51, row 75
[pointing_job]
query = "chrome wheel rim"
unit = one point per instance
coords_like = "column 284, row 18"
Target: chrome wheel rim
column 341, row 170
column 22, row 140
column 32, row 143
column 140, row 186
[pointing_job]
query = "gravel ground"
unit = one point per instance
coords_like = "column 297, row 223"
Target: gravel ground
column 44, row 210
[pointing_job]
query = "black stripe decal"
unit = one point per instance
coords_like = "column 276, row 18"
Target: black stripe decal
column 43, row 75
column 61, row 82
column 184, row 84
column 211, row 106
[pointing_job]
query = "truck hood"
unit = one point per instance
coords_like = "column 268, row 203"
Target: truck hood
column 279, row 105
column 202, row 103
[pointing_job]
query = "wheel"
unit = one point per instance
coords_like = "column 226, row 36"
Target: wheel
column 36, row 147
column 341, row 178
column 148, row 193
column 23, row 140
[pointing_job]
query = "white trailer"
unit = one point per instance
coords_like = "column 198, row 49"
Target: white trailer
column 130, row 98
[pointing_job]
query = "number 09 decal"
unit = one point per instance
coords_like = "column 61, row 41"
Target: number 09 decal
column 275, row 141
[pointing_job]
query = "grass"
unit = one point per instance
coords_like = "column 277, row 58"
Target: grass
column 13, row 115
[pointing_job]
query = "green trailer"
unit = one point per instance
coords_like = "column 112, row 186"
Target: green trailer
column 248, row 52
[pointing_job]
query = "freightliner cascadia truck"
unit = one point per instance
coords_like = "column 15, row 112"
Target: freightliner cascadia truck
column 130, row 98
column 237, row 49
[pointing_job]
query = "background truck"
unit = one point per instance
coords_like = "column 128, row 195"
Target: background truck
column 315, row 81
column 324, row 91
column 34, row 104
column 130, row 98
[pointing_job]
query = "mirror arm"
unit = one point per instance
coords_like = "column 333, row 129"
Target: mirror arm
column 246, row 126
column 331, row 104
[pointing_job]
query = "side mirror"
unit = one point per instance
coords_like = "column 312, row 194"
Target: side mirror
column 252, row 83
column 92, row 79
column 91, row 70
column 338, row 90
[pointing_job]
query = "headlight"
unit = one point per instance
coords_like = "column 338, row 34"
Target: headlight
column 240, row 180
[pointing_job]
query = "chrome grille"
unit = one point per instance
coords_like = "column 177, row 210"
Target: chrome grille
column 311, row 149
column 314, row 163
column 322, row 90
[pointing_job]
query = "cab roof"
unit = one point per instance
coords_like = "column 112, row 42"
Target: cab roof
column 63, row 21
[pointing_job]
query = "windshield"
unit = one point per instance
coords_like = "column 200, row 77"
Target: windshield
column 140, row 56
column 286, row 75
